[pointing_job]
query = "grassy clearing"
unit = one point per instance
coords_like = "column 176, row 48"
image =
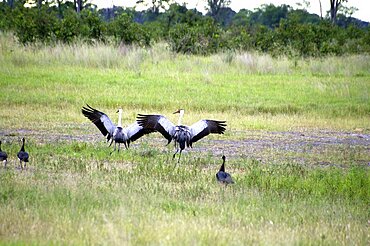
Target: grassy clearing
column 138, row 197
column 74, row 192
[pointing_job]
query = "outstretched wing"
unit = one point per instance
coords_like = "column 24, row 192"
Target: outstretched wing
column 135, row 131
column 101, row 120
column 203, row 128
column 158, row 123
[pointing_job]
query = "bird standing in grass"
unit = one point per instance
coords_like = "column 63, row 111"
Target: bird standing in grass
column 23, row 155
column 3, row 156
column 118, row 134
column 222, row 176
column 184, row 136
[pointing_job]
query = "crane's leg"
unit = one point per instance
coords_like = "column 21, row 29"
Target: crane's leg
column 119, row 146
column 114, row 148
column 179, row 156
column 177, row 150
column 125, row 145
column 111, row 141
column 20, row 163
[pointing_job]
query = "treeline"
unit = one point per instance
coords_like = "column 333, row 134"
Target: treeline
column 277, row 30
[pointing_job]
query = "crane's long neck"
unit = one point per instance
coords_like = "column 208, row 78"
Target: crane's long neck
column 22, row 148
column 119, row 118
column 180, row 117
column 0, row 145
column 222, row 168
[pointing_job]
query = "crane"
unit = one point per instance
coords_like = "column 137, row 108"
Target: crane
column 118, row 134
column 222, row 176
column 184, row 136
column 23, row 155
column 3, row 156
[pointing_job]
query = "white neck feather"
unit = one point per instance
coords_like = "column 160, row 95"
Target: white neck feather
column 119, row 118
column 180, row 117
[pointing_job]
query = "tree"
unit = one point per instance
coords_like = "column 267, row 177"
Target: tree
column 242, row 18
column 270, row 15
column 155, row 5
column 334, row 7
column 214, row 6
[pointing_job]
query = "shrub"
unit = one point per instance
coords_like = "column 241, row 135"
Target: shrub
column 33, row 24
column 204, row 38
column 93, row 27
column 69, row 27
column 126, row 31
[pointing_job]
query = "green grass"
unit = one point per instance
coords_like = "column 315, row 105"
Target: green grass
column 272, row 95
column 75, row 193
column 140, row 197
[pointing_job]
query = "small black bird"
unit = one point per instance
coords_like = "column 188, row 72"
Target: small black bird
column 222, row 176
column 22, row 155
column 3, row 156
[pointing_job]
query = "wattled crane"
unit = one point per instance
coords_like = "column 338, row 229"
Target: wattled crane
column 222, row 176
column 22, row 155
column 184, row 136
column 3, row 156
column 118, row 134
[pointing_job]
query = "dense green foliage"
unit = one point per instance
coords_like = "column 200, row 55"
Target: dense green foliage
column 277, row 30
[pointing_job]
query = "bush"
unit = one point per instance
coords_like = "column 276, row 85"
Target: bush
column 126, row 31
column 34, row 24
column 69, row 27
column 92, row 26
column 204, row 38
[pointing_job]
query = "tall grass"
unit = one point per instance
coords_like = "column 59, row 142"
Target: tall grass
column 249, row 90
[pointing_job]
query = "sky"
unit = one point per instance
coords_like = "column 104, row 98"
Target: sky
column 362, row 13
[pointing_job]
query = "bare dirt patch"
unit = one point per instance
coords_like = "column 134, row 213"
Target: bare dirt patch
column 320, row 147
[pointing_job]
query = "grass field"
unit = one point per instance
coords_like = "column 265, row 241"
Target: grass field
column 297, row 145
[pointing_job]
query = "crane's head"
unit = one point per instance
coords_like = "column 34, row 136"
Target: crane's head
column 179, row 111
column 119, row 110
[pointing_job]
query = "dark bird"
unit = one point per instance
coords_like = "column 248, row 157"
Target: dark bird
column 222, row 176
column 184, row 136
column 3, row 156
column 118, row 134
column 23, row 155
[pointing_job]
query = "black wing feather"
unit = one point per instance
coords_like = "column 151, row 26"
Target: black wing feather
column 95, row 117
column 212, row 126
column 141, row 133
column 151, row 122
column 224, row 177
column 23, row 156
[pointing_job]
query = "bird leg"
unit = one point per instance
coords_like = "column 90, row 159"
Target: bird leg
column 125, row 145
column 177, row 150
column 111, row 141
column 20, row 164
column 178, row 161
column 119, row 146
column 114, row 148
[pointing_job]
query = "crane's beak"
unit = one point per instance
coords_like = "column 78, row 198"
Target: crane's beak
column 117, row 111
column 177, row 112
